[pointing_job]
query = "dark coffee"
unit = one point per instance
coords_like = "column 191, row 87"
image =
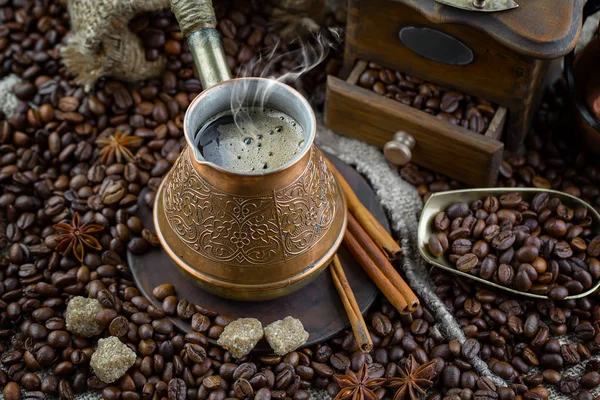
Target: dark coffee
column 251, row 140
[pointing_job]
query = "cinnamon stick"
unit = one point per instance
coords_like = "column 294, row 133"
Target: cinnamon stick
column 366, row 219
column 383, row 263
column 359, row 327
column 368, row 265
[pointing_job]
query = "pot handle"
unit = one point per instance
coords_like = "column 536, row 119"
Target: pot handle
column 197, row 21
column 591, row 7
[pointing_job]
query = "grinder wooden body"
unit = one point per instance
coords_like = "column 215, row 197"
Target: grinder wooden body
column 511, row 50
column 504, row 57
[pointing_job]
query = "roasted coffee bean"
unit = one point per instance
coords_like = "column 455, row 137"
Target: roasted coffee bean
column 162, row 326
column 245, row 370
column 451, row 376
column 441, row 221
column 503, row 240
column 195, row 353
column 552, row 361
column 381, row 324
column 569, row 385
column 569, row 354
column 162, row 291
column 458, row 210
column 368, row 78
column 558, row 292
column 590, row 380
column 593, row 248
column 177, row 389
column 470, row 348
column 200, row 323
column 551, row 376
column 504, row 370
column 510, row 200
column 461, row 247
column 65, row 391
column 434, row 246
column 169, row 305
column 467, row 262
column 263, row 394
column 339, row 361
column 523, row 281
column 12, row 391
column 119, row 326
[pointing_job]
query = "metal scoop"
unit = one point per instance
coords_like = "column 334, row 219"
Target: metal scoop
column 440, row 201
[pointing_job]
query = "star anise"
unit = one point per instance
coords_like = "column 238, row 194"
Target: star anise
column 75, row 237
column 357, row 386
column 414, row 378
column 116, row 147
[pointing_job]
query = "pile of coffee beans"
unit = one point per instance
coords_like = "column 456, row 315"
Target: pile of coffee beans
column 542, row 246
column 448, row 105
column 523, row 339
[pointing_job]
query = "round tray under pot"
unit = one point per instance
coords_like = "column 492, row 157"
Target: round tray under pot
column 317, row 304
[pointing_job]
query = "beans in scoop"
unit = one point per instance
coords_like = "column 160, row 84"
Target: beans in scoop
column 540, row 246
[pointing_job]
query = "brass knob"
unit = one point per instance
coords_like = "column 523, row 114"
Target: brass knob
column 479, row 4
column 399, row 151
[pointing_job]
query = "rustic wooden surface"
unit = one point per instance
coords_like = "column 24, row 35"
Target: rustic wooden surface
column 317, row 305
column 540, row 29
column 453, row 150
column 498, row 73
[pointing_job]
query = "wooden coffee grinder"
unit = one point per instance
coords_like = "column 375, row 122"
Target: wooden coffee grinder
column 498, row 50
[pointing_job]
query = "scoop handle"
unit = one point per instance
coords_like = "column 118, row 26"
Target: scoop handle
column 197, row 22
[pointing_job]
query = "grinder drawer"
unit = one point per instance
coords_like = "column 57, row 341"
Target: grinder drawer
column 453, row 150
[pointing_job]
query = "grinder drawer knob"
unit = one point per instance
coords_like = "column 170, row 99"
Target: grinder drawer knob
column 399, row 151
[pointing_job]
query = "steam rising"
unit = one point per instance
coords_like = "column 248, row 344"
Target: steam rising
column 307, row 54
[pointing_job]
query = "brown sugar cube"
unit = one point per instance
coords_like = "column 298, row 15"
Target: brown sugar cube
column 81, row 316
column 286, row 335
column 240, row 336
column 111, row 359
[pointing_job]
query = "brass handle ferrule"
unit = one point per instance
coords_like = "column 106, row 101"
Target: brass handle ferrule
column 193, row 15
column 197, row 22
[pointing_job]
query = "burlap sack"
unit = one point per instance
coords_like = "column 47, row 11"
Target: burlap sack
column 100, row 42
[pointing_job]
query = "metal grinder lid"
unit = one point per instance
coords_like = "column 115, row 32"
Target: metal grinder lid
column 543, row 29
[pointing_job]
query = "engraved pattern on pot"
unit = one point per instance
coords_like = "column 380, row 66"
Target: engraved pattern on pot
column 250, row 230
column 307, row 206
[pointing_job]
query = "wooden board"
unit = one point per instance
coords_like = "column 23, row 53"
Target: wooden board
column 452, row 150
column 317, row 305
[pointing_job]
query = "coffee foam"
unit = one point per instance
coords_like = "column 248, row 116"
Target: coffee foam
column 258, row 141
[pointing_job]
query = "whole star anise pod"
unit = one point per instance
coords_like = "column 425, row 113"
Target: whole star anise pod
column 414, row 378
column 357, row 386
column 116, row 147
column 76, row 237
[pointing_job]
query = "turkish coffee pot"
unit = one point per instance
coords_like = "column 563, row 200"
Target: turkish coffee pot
column 245, row 236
